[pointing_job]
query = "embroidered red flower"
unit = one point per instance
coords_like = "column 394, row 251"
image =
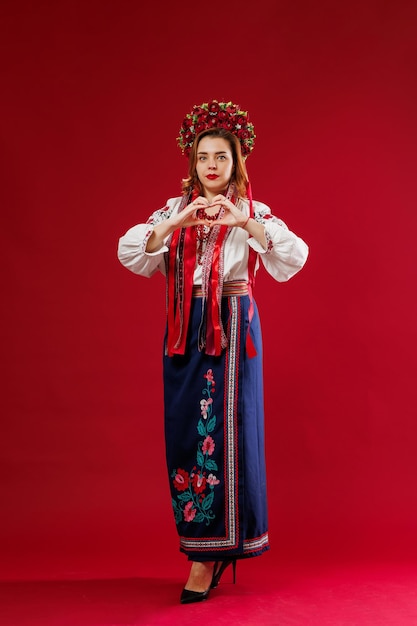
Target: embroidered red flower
column 181, row 480
column 209, row 376
column 199, row 483
column 212, row 479
column 204, row 404
column 208, row 445
column 189, row 512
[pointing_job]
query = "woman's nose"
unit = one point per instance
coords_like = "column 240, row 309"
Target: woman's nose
column 212, row 165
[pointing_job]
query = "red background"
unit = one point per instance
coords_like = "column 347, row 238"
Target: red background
column 93, row 94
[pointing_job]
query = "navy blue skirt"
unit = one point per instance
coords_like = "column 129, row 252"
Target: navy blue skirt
column 214, row 433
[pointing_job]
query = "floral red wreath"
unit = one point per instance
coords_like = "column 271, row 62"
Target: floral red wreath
column 216, row 114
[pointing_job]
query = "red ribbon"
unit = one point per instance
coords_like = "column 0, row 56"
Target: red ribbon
column 181, row 266
column 250, row 346
column 214, row 328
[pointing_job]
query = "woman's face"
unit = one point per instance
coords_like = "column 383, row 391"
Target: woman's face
column 214, row 164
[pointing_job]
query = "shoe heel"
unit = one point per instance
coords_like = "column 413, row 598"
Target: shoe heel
column 217, row 576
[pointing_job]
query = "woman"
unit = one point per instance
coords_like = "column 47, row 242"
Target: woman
column 208, row 244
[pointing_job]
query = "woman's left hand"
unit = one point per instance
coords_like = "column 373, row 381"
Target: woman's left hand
column 232, row 216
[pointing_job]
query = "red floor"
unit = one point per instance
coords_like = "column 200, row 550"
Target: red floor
column 296, row 595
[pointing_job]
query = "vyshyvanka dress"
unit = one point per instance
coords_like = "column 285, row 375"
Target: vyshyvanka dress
column 212, row 369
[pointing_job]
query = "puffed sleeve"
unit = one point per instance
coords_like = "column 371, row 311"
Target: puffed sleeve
column 132, row 245
column 286, row 253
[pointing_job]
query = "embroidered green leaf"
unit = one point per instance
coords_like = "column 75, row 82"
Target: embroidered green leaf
column 211, row 465
column 177, row 511
column 208, row 501
column 198, row 518
column 200, row 458
column 211, row 424
column 184, row 496
column 201, row 429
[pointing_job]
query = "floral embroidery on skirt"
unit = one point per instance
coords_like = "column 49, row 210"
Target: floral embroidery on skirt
column 197, row 488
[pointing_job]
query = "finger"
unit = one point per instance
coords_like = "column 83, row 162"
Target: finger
column 201, row 200
column 216, row 203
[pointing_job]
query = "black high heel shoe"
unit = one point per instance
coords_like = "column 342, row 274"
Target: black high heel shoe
column 219, row 573
column 188, row 596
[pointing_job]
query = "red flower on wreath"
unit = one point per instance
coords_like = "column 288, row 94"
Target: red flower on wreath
column 202, row 118
column 187, row 122
column 214, row 106
column 243, row 133
column 181, row 480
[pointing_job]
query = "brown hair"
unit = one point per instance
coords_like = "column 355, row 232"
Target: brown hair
column 239, row 175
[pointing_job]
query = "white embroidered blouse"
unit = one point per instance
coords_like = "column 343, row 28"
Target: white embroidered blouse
column 285, row 255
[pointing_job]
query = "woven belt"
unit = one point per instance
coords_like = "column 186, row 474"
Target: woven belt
column 234, row 288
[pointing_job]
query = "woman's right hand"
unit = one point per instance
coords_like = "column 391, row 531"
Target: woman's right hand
column 187, row 217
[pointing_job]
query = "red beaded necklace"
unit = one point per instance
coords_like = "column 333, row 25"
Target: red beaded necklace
column 203, row 232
